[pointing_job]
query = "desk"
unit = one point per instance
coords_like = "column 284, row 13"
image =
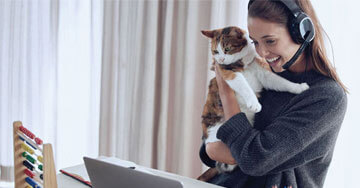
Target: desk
column 66, row 182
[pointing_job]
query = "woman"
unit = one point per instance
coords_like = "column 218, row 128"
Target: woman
column 293, row 138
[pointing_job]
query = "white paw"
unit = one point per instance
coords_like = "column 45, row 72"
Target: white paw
column 212, row 131
column 222, row 167
column 253, row 105
column 301, row 87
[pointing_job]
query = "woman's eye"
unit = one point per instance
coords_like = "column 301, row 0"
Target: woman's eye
column 270, row 41
column 216, row 52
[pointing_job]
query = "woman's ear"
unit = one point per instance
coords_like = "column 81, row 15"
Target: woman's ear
column 208, row 33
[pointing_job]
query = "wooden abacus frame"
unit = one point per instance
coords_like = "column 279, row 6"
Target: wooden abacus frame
column 49, row 172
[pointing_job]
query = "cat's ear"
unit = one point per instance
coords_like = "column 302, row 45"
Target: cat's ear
column 208, row 33
column 239, row 33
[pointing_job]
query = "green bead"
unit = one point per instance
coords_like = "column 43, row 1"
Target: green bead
column 24, row 154
column 29, row 158
column 40, row 167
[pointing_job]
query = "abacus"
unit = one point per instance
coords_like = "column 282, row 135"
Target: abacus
column 33, row 161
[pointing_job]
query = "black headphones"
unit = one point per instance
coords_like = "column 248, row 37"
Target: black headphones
column 300, row 26
column 299, row 23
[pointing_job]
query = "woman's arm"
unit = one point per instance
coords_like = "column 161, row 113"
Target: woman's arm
column 305, row 131
column 218, row 151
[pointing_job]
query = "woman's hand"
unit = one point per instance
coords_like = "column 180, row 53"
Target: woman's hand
column 227, row 95
column 218, row 151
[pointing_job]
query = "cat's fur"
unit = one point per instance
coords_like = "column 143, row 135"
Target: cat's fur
column 245, row 73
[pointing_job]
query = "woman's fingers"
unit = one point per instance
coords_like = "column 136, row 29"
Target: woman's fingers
column 216, row 70
column 219, row 78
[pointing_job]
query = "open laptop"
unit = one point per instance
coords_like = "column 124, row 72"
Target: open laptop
column 107, row 175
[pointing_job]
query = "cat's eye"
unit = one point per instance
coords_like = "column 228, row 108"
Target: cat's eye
column 216, row 52
column 227, row 49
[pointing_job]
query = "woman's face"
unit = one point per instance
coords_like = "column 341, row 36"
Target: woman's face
column 273, row 42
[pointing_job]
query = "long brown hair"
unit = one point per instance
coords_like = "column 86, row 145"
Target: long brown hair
column 275, row 11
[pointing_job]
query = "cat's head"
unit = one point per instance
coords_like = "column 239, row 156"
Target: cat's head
column 229, row 44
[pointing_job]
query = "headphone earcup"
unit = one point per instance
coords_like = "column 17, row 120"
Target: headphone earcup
column 299, row 26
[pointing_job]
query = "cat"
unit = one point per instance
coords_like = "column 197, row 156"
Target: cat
column 246, row 73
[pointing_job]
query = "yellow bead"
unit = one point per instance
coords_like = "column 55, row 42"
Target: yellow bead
column 39, row 158
column 27, row 148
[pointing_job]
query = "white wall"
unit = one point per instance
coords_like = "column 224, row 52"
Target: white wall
column 340, row 20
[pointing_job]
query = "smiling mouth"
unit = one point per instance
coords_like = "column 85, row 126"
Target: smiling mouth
column 273, row 61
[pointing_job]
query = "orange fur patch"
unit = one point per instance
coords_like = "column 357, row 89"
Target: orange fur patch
column 262, row 62
column 227, row 74
column 208, row 174
column 213, row 111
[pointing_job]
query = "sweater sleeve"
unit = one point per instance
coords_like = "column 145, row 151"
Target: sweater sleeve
column 205, row 158
column 305, row 131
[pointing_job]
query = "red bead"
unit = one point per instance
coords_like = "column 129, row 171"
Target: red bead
column 38, row 141
column 27, row 132
column 22, row 129
column 29, row 173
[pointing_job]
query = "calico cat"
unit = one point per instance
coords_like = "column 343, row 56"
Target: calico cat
column 246, row 73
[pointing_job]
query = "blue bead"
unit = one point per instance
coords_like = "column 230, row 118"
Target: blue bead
column 31, row 182
column 21, row 138
column 30, row 145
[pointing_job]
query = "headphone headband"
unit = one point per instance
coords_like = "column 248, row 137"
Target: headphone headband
column 292, row 6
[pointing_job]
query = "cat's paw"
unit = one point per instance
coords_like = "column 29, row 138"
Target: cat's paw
column 222, row 167
column 301, row 87
column 254, row 106
column 212, row 131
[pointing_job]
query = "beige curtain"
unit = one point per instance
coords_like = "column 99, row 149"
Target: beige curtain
column 50, row 61
column 27, row 73
column 155, row 73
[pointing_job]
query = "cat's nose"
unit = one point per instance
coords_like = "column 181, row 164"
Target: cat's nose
column 222, row 60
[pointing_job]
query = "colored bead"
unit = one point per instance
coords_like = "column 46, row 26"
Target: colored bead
column 41, row 176
column 21, row 138
column 29, row 173
column 28, row 165
column 40, row 167
column 27, row 132
column 38, row 141
column 29, row 158
column 31, row 182
column 40, row 159
column 27, row 148
column 30, row 145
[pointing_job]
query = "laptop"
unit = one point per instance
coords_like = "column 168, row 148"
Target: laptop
column 104, row 174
